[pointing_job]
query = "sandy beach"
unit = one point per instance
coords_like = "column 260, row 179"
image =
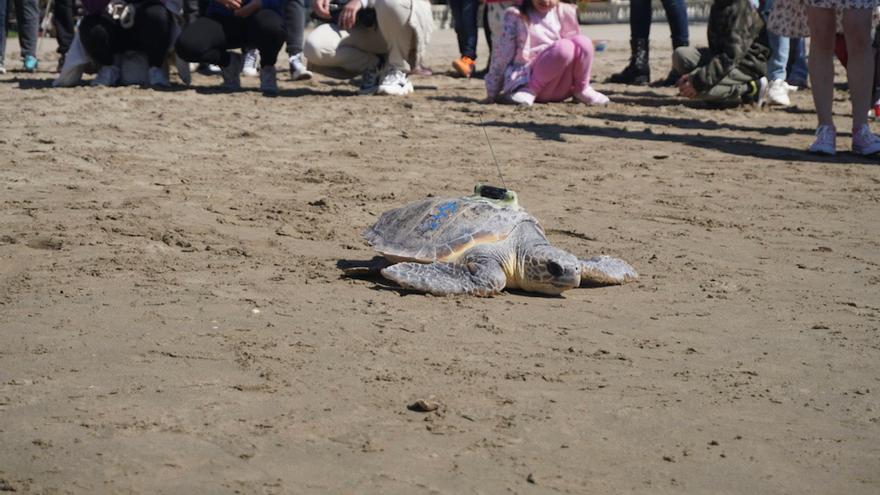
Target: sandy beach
column 172, row 319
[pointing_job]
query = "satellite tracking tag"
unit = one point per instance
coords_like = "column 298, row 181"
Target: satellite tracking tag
column 493, row 192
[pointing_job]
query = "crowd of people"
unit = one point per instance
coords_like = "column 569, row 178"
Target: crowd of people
column 755, row 54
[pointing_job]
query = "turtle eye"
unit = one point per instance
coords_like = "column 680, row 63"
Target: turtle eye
column 554, row 268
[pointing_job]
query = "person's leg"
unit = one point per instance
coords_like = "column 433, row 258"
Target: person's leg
column 860, row 75
column 797, row 70
column 677, row 17
column 295, row 25
column 3, row 7
column 265, row 30
column 685, row 59
column 152, row 31
column 337, row 53
column 551, row 74
column 581, row 72
column 206, row 40
column 638, row 71
column 464, row 13
column 28, row 15
column 860, row 69
column 821, row 62
column 62, row 19
column 101, row 37
column 393, row 18
column 730, row 89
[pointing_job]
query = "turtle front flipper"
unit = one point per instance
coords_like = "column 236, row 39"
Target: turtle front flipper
column 477, row 278
column 605, row 270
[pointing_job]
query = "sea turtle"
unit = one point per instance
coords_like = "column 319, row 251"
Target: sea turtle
column 479, row 245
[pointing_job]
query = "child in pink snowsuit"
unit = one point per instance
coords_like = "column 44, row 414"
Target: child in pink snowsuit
column 542, row 56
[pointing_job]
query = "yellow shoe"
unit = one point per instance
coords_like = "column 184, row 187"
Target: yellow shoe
column 464, row 66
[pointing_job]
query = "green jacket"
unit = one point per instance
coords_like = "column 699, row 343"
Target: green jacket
column 737, row 39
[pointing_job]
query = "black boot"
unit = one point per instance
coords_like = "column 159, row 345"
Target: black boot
column 673, row 75
column 637, row 72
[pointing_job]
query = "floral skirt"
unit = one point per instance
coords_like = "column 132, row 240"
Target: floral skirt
column 789, row 17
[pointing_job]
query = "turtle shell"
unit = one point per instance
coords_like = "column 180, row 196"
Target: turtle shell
column 438, row 229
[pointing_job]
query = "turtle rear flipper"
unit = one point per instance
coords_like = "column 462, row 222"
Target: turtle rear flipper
column 605, row 270
column 477, row 278
column 355, row 268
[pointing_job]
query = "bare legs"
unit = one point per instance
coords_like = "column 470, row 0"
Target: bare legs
column 859, row 73
column 821, row 61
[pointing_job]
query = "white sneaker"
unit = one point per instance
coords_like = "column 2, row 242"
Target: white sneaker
column 395, row 83
column 864, row 142
column 826, row 141
column 523, row 98
column 298, row 71
column 232, row 72
column 157, row 78
column 2, row 69
column 249, row 68
column 108, row 75
column 590, row 96
column 269, row 80
column 777, row 94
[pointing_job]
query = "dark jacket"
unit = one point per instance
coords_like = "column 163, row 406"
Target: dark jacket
column 737, row 39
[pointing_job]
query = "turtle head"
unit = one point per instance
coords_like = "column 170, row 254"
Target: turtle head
column 549, row 270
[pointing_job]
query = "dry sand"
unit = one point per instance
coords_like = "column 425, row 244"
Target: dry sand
column 172, row 321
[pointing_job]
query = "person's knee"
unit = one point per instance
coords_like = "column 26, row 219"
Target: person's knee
column 858, row 31
column 188, row 47
column 562, row 53
column 584, row 44
column 320, row 45
column 682, row 60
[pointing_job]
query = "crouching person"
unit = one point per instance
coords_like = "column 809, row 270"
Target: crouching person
column 387, row 42
column 109, row 29
column 230, row 24
column 732, row 69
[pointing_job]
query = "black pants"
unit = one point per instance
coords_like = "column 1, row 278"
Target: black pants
column 62, row 19
column 208, row 38
column 103, row 37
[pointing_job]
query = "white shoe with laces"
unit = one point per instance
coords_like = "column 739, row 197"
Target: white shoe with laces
column 395, row 83
column 864, row 142
column 523, row 98
column 777, row 94
column 108, row 75
column 157, row 78
column 232, row 72
column 269, row 80
column 826, row 141
column 298, row 71
column 249, row 67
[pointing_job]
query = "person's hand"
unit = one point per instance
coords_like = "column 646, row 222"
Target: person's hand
column 322, row 8
column 249, row 9
column 685, row 88
column 348, row 16
column 230, row 4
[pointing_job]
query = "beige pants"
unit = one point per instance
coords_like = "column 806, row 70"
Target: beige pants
column 337, row 53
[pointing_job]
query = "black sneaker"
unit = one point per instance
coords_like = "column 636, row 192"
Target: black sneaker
column 757, row 93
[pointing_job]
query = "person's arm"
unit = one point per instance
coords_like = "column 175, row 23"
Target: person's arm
column 94, row 6
column 503, row 54
column 734, row 34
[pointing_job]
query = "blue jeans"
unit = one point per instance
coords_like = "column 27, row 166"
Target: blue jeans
column 28, row 14
column 779, row 48
column 464, row 14
column 676, row 15
column 797, row 61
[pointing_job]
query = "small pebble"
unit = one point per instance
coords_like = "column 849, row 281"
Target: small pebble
column 423, row 405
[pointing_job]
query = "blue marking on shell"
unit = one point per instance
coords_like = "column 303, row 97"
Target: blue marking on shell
column 444, row 212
